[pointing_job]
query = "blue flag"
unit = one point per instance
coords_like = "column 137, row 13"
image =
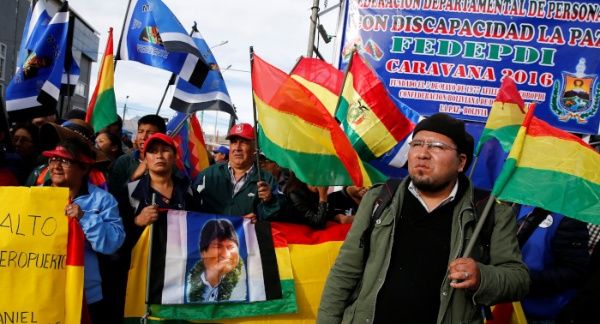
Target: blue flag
column 153, row 36
column 71, row 71
column 35, row 25
column 35, row 88
column 212, row 95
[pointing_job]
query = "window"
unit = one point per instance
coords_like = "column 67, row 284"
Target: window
column 80, row 89
column 2, row 60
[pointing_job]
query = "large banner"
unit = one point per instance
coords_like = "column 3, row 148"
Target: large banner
column 33, row 260
column 304, row 257
column 206, row 266
column 450, row 55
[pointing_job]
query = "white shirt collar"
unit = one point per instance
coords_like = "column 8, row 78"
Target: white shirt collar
column 415, row 192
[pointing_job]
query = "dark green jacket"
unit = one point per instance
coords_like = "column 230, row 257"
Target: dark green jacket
column 120, row 172
column 351, row 289
column 213, row 186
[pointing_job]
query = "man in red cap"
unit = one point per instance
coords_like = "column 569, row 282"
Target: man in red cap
column 234, row 188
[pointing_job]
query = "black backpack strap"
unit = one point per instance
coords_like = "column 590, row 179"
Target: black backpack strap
column 381, row 202
column 529, row 224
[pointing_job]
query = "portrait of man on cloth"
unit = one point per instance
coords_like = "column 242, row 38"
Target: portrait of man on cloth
column 216, row 264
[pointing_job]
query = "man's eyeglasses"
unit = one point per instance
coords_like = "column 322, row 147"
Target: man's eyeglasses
column 63, row 162
column 431, row 146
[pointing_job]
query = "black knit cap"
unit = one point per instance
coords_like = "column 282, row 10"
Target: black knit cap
column 453, row 128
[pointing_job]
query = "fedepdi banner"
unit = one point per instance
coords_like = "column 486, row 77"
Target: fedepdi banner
column 450, row 55
column 33, row 255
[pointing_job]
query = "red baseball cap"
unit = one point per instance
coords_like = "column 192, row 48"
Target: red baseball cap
column 242, row 130
column 160, row 137
column 62, row 152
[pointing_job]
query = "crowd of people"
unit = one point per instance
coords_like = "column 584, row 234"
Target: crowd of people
column 401, row 261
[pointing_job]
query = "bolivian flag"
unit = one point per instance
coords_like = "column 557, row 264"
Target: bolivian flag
column 102, row 110
column 368, row 115
column 322, row 79
column 552, row 169
column 74, row 279
column 506, row 116
column 299, row 133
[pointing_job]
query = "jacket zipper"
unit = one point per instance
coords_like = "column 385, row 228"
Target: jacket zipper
column 387, row 264
column 461, row 246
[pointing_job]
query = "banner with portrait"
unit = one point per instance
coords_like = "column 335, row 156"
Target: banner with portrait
column 449, row 56
column 206, row 266
column 33, row 256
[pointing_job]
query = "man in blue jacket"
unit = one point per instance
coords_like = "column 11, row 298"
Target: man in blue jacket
column 235, row 188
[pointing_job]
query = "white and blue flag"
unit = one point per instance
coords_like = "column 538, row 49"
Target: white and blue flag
column 35, row 25
column 35, row 88
column 155, row 37
column 212, row 95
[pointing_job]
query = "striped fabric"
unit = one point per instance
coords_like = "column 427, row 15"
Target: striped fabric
column 311, row 253
column 368, row 115
column 102, row 110
column 506, row 116
column 551, row 169
column 298, row 132
column 266, row 269
column 192, row 156
column 74, row 266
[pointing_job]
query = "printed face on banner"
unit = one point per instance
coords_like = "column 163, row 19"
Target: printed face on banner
column 216, row 262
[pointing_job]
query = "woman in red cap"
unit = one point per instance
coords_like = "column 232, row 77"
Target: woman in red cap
column 162, row 187
column 95, row 209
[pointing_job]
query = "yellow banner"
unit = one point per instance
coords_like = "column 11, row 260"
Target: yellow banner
column 33, row 251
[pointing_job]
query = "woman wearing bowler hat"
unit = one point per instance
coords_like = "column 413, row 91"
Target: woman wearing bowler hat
column 96, row 210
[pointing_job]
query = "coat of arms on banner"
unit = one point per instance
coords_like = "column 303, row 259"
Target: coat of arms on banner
column 579, row 96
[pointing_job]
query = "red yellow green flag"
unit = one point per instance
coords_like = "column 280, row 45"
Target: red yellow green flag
column 298, row 132
column 322, row 79
column 506, row 116
column 551, row 169
column 74, row 279
column 369, row 117
column 102, row 110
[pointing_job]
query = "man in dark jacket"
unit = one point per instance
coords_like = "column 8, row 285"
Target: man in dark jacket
column 130, row 167
column 234, row 188
column 413, row 272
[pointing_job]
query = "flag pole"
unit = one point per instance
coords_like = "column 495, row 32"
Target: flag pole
column 171, row 81
column 179, row 126
column 148, row 265
column 343, row 85
column 479, row 226
column 118, row 53
column 473, row 165
column 254, row 115
column 312, row 28
column 69, row 59
column 173, row 75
